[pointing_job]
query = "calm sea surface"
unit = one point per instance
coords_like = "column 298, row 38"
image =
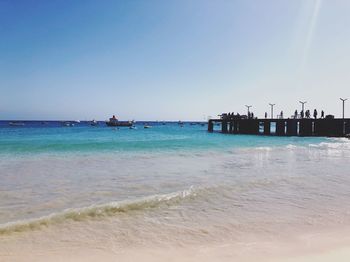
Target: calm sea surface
column 170, row 180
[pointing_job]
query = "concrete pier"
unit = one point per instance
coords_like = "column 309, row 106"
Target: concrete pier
column 334, row 127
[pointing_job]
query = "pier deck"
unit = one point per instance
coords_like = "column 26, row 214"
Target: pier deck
column 334, row 127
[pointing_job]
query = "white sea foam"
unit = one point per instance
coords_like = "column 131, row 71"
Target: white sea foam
column 98, row 211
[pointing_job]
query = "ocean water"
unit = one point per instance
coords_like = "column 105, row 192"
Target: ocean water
column 169, row 183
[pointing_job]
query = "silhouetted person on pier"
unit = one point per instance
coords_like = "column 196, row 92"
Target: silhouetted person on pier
column 265, row 115
column 302, row 114
column 296, row 114
column 307, row 113
column 315, row 114
column 281, row 114
column 252, row 115
column 322, row 114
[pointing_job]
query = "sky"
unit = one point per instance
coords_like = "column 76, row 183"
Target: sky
column 171, row 60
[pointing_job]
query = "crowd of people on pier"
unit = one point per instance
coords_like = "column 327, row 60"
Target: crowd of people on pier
column 250, row 115
column 307, row 114
column 231, row 116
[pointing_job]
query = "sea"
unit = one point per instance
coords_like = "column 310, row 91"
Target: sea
column 172, row 183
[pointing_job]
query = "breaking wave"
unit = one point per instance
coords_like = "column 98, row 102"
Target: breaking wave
column 97, row 211
column 334, row 143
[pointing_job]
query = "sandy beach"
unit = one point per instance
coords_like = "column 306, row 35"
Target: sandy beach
column 204, row 253
column 53, row 244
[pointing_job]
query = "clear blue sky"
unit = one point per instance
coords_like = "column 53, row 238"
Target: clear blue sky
column 171, row 60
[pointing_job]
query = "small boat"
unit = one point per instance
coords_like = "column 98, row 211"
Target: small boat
column 147, row 126
column 113, row 121
column 16, row 123
column 94, row 123
column 132, row 127
column 68, row 124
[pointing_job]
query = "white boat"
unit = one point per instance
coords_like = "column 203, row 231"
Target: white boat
column 67, row 123
column 94, row 123
column 16, row 123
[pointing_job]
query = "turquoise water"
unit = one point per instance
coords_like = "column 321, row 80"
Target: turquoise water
column 170, row 178
column 169, row 137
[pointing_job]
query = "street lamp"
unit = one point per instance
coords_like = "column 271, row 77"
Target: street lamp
column 248, row 109
column 272, row 105
column 303, row 103
column 343, row 99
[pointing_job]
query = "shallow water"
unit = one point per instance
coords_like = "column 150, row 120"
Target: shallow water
column 170, row 182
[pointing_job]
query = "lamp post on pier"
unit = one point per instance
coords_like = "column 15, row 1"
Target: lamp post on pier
column 272, row 105
column 248, row 110
column 302, row 107
column 343, row 99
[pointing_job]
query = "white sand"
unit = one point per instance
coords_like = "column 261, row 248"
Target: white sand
column 305, row 251
column 183, row 255
column 93, row 241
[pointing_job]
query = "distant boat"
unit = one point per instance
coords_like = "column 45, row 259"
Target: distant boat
column 68, row 124
column 132, row 127
column 77, row 121
column 147, row 126
column 16, row 123
column 113, row 121
column 94, row 123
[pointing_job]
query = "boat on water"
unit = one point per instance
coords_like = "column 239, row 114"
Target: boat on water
column 16, row 123
column 94, row 123
column 113, row 121
column 67, row 123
